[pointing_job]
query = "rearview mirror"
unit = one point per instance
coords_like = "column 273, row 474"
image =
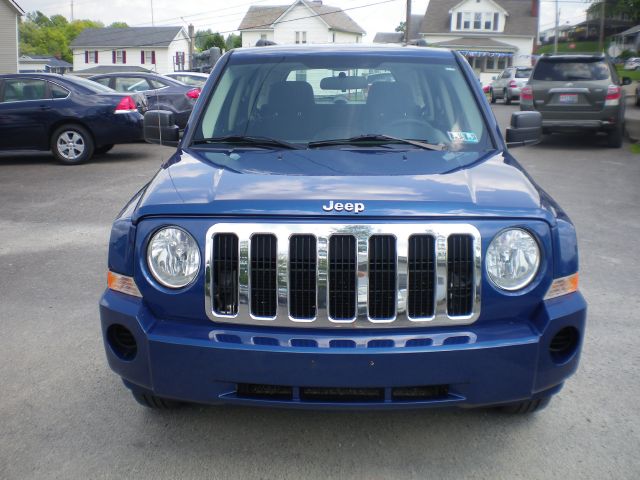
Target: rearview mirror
column 343, row 83
column 160, row 128
column 626, row 81
column 525, row 129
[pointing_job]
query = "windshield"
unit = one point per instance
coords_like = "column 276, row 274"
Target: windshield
column 523, row 72
column 310, row 98
column 565, row 70
column 90, row 85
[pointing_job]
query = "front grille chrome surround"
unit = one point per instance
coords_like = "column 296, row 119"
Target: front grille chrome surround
column 361, row 233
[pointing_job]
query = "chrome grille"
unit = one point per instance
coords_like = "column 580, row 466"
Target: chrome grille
column 343, row 275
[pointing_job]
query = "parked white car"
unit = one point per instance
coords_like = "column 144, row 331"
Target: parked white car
column 632, row 63
column 507, row 85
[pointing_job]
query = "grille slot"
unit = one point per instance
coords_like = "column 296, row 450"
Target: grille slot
column 342, row 277
column 302, row 276
column 459, row 275
column 263, row 275
column 225, row 274
column 382, row 277
column 421, row 269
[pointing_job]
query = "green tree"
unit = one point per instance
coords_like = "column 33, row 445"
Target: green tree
column 402, row 27
column 233, row 41
column 205, row 39
column 119, row 25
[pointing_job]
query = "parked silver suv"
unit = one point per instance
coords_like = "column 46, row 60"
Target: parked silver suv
column 577, row 93
column 507, row 85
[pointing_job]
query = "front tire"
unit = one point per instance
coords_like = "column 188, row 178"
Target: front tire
column 72, row 144
column 149, row 400
column 507, row 97
column 529, row 406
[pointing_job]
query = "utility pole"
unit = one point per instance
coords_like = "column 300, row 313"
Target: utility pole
column 72, row 10
column 601, row 39
column 152, row 22
column 406, row 23
column 192, row 34
column 555, row 35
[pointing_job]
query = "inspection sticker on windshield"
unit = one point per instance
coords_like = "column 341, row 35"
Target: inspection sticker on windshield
column 463, row 137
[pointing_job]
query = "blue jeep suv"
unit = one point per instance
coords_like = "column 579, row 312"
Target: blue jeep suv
column 321, row 240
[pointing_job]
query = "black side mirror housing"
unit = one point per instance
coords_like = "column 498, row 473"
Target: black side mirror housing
column 160, row 128
column 525, row 129
column 626, row 81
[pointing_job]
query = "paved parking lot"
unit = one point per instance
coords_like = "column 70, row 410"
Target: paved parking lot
column 63, row 414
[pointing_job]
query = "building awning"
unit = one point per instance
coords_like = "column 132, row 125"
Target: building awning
column 478, row 46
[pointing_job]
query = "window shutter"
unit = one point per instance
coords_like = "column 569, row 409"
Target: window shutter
column 153, row 57
column 495, row 21
column 124, row 56
column 142, row 57
column 86, row 56
column 459, row 21
column 113, row 56
column 95, row 56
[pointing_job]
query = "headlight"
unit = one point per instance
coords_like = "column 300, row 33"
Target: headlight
column 512, row 259
column 173, row 257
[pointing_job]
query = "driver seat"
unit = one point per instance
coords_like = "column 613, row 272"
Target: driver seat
column 389, row 102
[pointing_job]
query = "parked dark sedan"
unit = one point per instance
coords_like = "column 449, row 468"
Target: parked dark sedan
column 71, row 116
column 163, row 93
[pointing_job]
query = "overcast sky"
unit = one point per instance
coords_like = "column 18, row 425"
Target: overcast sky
column 225, row 15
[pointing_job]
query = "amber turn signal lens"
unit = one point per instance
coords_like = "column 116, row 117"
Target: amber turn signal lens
column 562, row 286
column 122, row 284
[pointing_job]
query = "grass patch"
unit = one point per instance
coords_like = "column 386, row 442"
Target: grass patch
column 635, row 148
column 632, row 74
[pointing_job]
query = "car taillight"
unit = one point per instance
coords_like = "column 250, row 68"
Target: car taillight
column 613, row 96
column 193, row 93
column 526, row 93
column 513, row 84
column 126, row 105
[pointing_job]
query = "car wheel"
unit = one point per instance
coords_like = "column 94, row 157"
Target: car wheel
column 615, row 137
column 103, row 149
column 507, row 97
column 72, row 144
column 492, row 96
column 528, row 406
column 149, row 400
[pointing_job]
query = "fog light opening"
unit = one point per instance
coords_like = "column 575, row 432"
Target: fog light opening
column 122, row 342
column 564, row 344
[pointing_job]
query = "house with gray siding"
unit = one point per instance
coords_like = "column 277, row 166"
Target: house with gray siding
column 9, row 13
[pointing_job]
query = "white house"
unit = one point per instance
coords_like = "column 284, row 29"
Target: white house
column 103, row 50
column 9, row 13
column 42, row 63
column 491, row 34
column 301, row 22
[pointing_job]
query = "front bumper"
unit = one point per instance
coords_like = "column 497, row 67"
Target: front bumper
column 476, row 365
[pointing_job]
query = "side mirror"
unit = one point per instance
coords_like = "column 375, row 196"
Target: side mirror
column 525, row 129
column 161, row 128
column 626, row 81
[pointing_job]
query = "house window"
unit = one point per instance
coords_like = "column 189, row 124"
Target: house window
column 301, row 37
column 481, row 21
column 179, row 61
column 149, row 56
column 477, row 21
column 121, row 56
column 466, row 21
column 93, row 56
column 263, row 36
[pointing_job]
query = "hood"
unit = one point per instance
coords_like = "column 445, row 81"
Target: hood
column 211, row 184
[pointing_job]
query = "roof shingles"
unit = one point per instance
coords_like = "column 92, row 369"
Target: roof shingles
column 263, row 17
column 126, row 37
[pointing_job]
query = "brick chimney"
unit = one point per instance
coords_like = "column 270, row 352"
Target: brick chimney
column 535, row 8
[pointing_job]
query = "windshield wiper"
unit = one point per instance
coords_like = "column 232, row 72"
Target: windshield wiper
column 375, row 138
column 248, row 140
